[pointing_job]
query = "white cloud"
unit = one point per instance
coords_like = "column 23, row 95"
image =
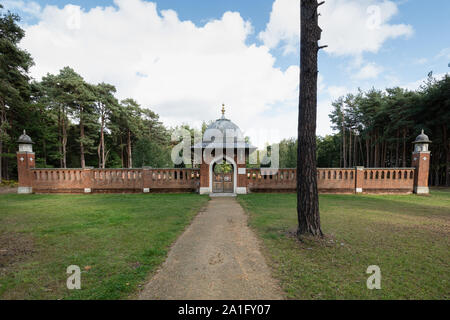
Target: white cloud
column 337, row 91
column 31, row 8
column 444, row 53
column 182, row 71
column 350, row 27
column 369, row 71
column 420, row 61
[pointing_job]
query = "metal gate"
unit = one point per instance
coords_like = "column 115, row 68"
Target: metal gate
column 222, row 182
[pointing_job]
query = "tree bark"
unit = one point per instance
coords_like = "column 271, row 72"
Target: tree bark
column 367, row 152
column 344, row 151
column 349, row 147
column 375, row 157
column 307, row 192
column 121, row 152
column 397, row 150
column 404, row 149
column 130, row 160
column 82, row 159
column 64, row 140
column 446, row 142
column 2, row 121
column 102, row 141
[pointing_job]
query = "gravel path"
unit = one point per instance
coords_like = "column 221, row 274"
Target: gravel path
column 217, row 257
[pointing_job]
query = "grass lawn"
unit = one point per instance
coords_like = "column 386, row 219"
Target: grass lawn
column 117, row 240
column 408, row 237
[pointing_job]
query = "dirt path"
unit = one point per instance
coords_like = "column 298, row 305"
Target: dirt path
column 217, row 257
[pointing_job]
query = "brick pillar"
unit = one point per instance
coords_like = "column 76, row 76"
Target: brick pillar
column 25, row 162
column 359, row 179
column 146, row 179
column 205, row 188
column 242, row 181
column 88, row 179
column 421, row 161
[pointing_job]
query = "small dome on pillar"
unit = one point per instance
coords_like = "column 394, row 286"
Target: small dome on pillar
column 25, row 143
column 421, row 142
column 422, row 138
column 24, row 138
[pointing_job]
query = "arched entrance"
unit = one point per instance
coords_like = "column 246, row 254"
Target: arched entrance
column 223, row 177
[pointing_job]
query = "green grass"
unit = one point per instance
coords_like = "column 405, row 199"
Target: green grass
column 408, row 237
column 122, row 239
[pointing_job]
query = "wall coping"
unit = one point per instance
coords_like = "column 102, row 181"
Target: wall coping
column 113, row 169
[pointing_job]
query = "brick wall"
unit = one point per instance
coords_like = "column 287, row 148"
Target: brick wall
column 114, row 180
column 355, row 180
column 188, row 180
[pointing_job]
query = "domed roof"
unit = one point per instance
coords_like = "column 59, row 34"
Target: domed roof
column 225, row 126
column 24, row 138
column 422, row 138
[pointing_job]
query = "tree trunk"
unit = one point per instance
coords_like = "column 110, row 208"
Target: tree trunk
column 60, row 138
column 367, row 153
column 404, row 149
column 396, row 150
column 121, row 152
column 64, row 140
column 375, row 164
column 344, row 151
column 340, row 153
column 446, row 142
column 307, row 193
column 349, row 147
column 362, row 161
column 2, row 121
column 102, row 142
column 82, row 160
column 130, row 160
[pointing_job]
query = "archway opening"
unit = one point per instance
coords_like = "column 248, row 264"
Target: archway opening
column 223, row 177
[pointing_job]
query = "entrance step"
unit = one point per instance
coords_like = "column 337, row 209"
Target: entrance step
column 212, row 195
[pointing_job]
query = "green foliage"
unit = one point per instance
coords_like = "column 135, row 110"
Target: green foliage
column 14, row 85
column 328, row 151
column 376, row 128
column 288, row 153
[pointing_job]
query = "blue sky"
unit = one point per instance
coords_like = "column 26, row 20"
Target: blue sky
column 410, row 39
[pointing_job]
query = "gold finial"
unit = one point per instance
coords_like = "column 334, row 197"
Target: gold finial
column 223, row 110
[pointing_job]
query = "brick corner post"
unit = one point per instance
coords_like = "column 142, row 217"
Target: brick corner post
column 242, row 181
column 359, row 177
column 204, row 188
column 25, row 162
column 146, row 179
column 88, row 179
column 421, row 161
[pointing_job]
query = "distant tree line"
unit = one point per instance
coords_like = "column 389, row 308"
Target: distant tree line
column 72, row 122
column 76, row 124
column 376, row 128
